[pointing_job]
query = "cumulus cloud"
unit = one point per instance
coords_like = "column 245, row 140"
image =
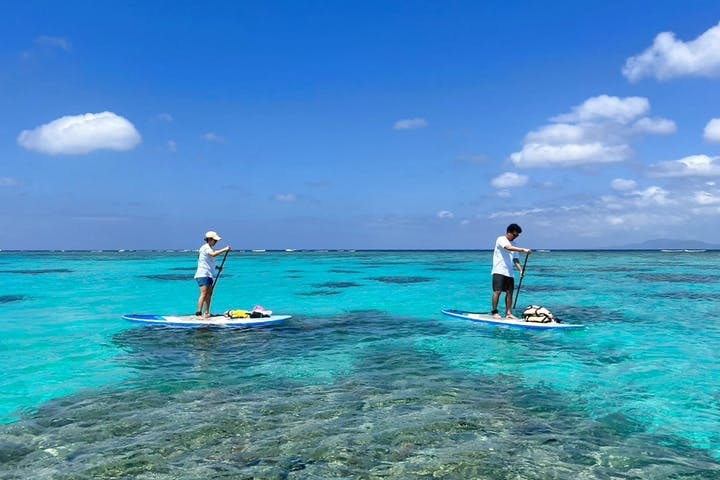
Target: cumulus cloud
column 655, row 126
column 445, row 214
column 605, row 107
column 623, row 185
column 692, row 166
column 542, row 155
column 509, row 180
column 599, row 130
column 712, row 131
column 410, row 124
column 81, row 134
column 670, row 58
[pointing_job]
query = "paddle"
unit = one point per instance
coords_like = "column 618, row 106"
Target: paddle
column 517, row 294
column 223, row 263
column 218, row 277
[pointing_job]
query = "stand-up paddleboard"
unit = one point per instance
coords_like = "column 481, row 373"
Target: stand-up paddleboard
column 509, row 322
column 194, row 321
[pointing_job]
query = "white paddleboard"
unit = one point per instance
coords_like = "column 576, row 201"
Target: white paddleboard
column 509, row 322
column 194, row 321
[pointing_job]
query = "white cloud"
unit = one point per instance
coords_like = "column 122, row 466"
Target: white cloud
column 623, row 185
column 524, row 213
column 542, row 155
column 213, row 137
column 557, row 133
column 599, row 130
column 55, row 42
column 655, row 126
column 9, row 182
column 651, row 196
column 706, row 198
column 81, row 134
column 712, row 131
column 669, row 58
column 171, row 146
column 605, row 107
column 692, row 166
column 445, row 214
column 509, row 180
column 286, row 197
column 410, row 124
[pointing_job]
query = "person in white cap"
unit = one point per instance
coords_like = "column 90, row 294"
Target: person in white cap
column 206, row 269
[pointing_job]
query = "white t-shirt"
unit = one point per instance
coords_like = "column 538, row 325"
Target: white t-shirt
column 206, row 262
column 503, row 259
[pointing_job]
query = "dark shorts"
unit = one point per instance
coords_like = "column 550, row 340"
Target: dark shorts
column 205, row 281
column 501, row 283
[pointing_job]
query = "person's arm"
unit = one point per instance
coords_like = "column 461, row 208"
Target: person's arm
column 511, row 248
column 516, row 261
column 215, row 253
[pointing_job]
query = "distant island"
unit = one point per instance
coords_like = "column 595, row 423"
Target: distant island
column 669, row 244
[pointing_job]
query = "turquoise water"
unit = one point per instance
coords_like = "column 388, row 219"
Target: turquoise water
column 368, row 379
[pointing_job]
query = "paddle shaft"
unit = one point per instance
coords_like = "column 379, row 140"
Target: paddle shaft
column 221, row 267
column 522, row 275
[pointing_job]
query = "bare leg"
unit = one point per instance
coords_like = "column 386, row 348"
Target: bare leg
column 208, row 299
column 201, row 300
column 495, row 301
column 508, row 304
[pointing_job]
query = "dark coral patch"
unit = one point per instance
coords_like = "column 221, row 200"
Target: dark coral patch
column 402, row 280
column 168, row 277
column 11, row 298
column 37, row 272
column 336, row 285
column 319, row 293
column 677, row 278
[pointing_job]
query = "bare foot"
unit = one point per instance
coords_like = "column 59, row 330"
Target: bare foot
column 207, row 315
column 496, row 315
column 511, row 316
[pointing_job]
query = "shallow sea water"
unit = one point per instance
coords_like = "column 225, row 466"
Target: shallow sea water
column 368, row 379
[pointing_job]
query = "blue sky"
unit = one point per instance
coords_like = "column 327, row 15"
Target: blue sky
column 373, row 124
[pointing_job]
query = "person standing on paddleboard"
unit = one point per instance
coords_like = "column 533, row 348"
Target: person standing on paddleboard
column 206, row 271
column 504, row 258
